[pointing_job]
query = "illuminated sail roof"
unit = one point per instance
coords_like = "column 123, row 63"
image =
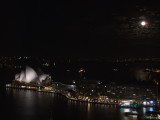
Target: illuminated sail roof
column 30, row 75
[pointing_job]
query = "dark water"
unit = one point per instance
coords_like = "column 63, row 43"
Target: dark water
column 20, row 104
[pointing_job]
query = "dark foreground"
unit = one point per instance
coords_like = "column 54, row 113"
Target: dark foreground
column 21, row 104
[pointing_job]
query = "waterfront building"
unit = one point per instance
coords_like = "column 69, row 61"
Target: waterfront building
column 29, row 75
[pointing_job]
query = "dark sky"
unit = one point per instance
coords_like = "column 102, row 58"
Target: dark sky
column 80, row 28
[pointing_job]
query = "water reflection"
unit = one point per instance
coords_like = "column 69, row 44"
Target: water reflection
column 32, row 105
column 124, row 117
column 151, row 109
column 88, row 107
column 28, row 105
column 144, row 110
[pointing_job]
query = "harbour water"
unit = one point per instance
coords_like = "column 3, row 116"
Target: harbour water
column 19, row 104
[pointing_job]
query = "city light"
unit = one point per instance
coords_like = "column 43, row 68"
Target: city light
column 151, row 102
column 144, row 103
column 81, row 70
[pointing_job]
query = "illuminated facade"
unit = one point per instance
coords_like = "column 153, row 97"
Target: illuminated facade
column 30, row 75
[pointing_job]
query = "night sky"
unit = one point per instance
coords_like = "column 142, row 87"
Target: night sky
column 80, row 28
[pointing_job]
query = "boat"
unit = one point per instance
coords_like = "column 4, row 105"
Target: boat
column 131, row 113
column 128, row 104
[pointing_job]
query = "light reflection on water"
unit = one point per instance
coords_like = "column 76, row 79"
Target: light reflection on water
column 123, row 117
column 151, row 109
column 32, row 105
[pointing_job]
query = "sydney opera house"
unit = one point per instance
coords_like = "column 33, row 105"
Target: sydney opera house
column 30, row 79
column 29, row 75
